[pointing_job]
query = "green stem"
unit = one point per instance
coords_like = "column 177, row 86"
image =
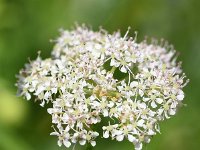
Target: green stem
column 113, row 69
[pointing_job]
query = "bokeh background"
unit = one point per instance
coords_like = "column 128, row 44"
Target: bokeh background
column 26, row 26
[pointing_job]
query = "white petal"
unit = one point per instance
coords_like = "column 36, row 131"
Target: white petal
column 159, row 100
column 94, row 120
column 46, row 95
column 118, row 132
column 111, row 104
column 39, row 90
column 112, row 62
column 54, row 90
column 140, row 123
column 50, row 110
column 120, row 137
column 141, row 93
column 105, row 112
column 93, row 143
column 96, row 53
column 82, row 142
column 79, row 125
column 98, row 46
column 134, row 84
column 54, row 133
column 153, row 104
column 66, row 143
column 28, row 96
column 129, row 126
column 106, row 134
column 59, row 143
column 146, row 99
column 67, row 128
column 95, row 134
column 142, row 105
column 109, row 75
column 123, row 69
column 180, row 97
column 160, row 111
column 131, row 138
column 74, row 140
column 103, row 72
column 120, row 88
column 117, row 64
column 147, row 139
column 32, row 90
column 92, row 98
column 138, row 146
column 151, row 132
column 42, row 104
column 104, row 127
column 135, row 131
column 172, row 111
column 88, row 47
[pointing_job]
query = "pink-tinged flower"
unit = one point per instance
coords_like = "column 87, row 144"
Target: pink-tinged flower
column 96, row 75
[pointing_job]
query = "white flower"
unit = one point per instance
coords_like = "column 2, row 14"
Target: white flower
column 96, row 75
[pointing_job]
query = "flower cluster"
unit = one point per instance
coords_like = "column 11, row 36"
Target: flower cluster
column 93, row 76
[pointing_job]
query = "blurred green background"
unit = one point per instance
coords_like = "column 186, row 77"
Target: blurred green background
column 26, row 26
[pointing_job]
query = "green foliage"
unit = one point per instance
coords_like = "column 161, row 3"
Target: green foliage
column 26, row 26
